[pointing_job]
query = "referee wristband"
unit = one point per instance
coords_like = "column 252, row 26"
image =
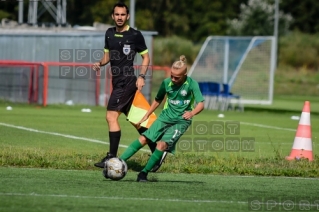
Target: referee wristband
column 142, row 75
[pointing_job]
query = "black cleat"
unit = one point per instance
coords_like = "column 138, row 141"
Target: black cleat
column 142, row 177
column 159, row 164
column 101, row 164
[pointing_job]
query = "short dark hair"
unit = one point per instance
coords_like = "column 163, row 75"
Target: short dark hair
column 121, row 4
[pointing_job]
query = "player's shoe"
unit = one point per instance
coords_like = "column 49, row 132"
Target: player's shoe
column 142, row 177
column 101, row 164
column 159, row 164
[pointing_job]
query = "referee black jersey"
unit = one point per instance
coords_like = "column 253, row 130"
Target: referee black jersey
column 122, row 48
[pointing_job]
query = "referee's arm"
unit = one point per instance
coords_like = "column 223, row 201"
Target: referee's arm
column 145, row 63
column 105, row 59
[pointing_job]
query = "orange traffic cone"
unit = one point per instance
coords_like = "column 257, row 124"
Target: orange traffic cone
column 302, row 147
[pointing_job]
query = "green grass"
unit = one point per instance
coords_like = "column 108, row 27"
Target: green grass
column 292, row 104
column 169, row 49
column 296, row 81
column 64, row 190
column 63, row 137
column 47, row 156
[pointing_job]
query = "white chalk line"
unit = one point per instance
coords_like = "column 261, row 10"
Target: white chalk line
column 267, row 126
column 253, row 203
column 122, row 198
column 62, row 135
column 125, row 146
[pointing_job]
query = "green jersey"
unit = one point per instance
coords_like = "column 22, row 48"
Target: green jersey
column 179, row 98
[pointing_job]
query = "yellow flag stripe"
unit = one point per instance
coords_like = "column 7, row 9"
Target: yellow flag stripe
column 138, row 110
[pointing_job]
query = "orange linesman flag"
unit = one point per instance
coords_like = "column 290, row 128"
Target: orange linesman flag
column 138, row 109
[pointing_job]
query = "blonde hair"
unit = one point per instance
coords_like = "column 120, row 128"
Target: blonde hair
column 181, row 63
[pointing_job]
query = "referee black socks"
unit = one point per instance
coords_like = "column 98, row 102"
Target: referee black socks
column 115, row 138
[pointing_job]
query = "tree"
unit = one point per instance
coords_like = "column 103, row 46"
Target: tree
column 305, row 14
column 82, row 12
column 8, row 10
column 191, row 19
column 257, row 18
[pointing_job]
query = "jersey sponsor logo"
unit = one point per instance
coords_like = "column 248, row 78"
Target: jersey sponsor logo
column 183, row 92
column 126, row 49
column 179, row 102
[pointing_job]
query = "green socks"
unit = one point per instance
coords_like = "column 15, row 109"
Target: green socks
column 155, row 157
column 134, row 147
column 131, row 150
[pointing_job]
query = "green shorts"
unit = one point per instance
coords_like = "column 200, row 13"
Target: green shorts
column 167, row 132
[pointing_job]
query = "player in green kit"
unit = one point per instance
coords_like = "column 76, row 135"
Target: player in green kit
column 181, row 92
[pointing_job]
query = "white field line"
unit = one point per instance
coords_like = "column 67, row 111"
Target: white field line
column 255, row 203
column 62, row 135
column 124, row 146
column 123, row 198
column 267, row 126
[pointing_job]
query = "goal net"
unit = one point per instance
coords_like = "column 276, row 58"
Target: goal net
column 246, row 64
column 15, row 83
column 49, row 82
column 62, row 83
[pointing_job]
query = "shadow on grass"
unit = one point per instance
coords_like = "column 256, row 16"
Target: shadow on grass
column 155, row 180
column 133, row 165
column 179, row 181
column 152, row 179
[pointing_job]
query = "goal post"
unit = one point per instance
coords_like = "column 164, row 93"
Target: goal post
column 246, row 64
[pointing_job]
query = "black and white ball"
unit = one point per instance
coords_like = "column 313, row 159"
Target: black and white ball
column 115, row 169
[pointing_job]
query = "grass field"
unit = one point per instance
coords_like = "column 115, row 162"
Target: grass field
column 47, row 156
column 65, row 190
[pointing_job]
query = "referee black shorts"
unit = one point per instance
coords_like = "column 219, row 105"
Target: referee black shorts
column 122, row 96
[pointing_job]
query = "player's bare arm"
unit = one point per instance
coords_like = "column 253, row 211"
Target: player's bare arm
column 105, row 59
column 145, row 63
column 153, row 107
column 189, row 114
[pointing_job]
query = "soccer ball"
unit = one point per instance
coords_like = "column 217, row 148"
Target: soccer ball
column 115, row 169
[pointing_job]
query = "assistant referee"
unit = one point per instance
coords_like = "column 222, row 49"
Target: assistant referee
column 121, row 45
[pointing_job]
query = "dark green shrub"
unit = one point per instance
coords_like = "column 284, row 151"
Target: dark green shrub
column 167, row 50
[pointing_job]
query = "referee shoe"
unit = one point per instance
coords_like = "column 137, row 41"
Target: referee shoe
column 101, row 164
